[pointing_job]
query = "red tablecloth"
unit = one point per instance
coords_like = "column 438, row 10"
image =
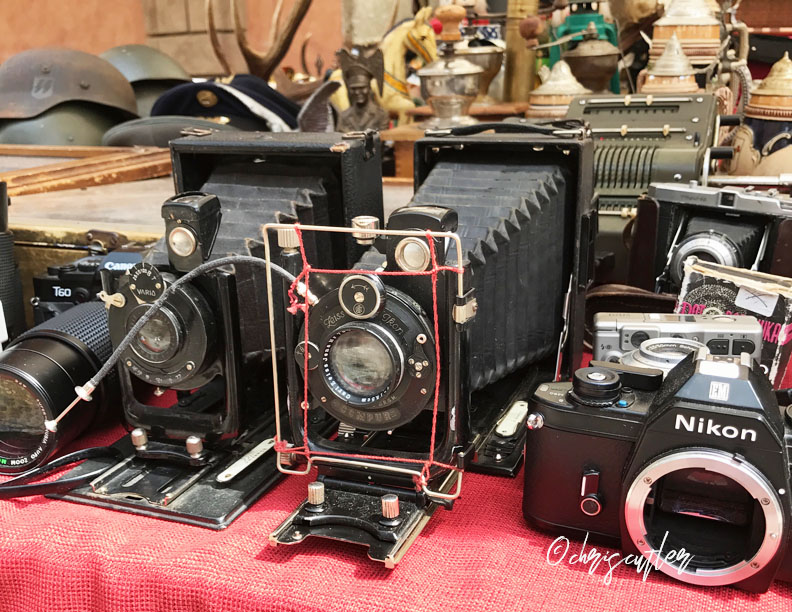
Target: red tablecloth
column 480, row 556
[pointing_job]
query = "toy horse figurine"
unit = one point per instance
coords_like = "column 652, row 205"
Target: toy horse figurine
column 416, row 36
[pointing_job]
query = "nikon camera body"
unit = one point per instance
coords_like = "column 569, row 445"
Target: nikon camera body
column 693, row 475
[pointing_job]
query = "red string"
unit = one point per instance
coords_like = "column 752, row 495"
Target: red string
column 296, row 305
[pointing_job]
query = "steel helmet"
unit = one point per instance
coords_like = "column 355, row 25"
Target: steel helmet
column 70, row 123
column 34, row 81
column 150, row 71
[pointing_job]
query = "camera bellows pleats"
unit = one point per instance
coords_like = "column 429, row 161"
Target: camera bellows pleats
column 511, row 224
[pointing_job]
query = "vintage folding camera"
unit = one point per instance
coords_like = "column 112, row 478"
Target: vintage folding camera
column 729, row 226
column 426, row 351
column 692, row 473
column 617, row 333
column 195, row 379
column 76, row 282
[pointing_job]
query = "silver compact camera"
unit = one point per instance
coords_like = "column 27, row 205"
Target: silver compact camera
column 618, row 333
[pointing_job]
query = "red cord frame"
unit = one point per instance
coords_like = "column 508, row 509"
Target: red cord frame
column 302, row 303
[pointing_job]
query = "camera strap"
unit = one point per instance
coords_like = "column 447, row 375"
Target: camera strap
column 20, row 487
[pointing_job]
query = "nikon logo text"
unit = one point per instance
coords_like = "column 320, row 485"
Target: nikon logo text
column 711, row 428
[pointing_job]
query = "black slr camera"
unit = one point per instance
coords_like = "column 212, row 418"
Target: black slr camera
column 66, row 285
column 693, row 473
column 728, row 226
column 426, row 368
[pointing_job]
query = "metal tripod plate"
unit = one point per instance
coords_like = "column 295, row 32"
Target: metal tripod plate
column 173, row 491
column 355, row 516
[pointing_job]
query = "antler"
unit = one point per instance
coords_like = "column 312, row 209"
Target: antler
column 210, row 26
column 262, row 64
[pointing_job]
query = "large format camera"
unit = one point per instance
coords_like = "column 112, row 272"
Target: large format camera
column 728, row 226
column 425, row 350
column 196, row 384
column 700, row 463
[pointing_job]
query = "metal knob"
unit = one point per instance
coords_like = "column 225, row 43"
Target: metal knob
column 194, row 446
column 364, row 222
column 534, row 421
column 316, row 493
column 139, row 438
column 390, row 506
column 288, row 239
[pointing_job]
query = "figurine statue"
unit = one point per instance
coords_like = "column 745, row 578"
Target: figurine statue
column 363, row 112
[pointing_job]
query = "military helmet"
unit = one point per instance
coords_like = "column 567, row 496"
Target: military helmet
column 36, row 80
column 69, row 124
column 144, row 63
column 150, row 71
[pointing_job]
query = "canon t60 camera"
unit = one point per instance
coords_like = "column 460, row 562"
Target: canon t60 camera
column 700, row 463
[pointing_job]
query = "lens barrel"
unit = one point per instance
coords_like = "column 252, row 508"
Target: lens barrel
column 38, row 374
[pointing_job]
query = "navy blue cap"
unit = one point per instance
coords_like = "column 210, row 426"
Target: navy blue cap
column 248, row 101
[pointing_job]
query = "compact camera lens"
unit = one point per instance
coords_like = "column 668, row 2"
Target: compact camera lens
column 38, row 373
column 361, row 363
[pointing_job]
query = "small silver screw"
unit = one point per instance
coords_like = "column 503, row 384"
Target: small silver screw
column 677, row 177
column 411, row 361
column 423, row 391
column 158, row 285
column 765, row 501
column 359, row 297
column 426, row 364
column 189, row 367
column 534, row 421
column 420, row 338
column 323, row 399
column 647, row 480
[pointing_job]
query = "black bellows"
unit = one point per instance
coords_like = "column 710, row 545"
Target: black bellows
column 511, row 224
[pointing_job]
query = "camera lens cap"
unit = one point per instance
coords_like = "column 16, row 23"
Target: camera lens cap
column 596, row 385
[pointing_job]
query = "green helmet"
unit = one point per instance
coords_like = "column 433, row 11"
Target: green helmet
column 150, row 71
column 34, row 81
column 55, row 96
column 70, row 123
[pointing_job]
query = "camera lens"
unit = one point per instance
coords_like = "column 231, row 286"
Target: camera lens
column 159, row 338
column 38, row 373
column 363, row 362
column 723, row 513
column 156, row 336
column 22, row 417
column 661, row 353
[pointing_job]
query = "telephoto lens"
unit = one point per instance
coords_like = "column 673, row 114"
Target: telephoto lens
column 38, row 374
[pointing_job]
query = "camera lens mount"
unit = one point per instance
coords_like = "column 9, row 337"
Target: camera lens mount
column 177, row 345
column 713, row 247
column 661, row 353
column 668, row 504
column 374, row 374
